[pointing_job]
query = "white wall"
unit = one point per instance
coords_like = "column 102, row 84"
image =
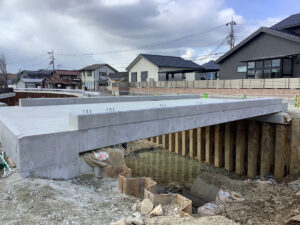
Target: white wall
column 144, row 65
column 21, row 84
column 190, row 76
column 91, row 81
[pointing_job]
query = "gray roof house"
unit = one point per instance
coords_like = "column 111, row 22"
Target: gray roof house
column 94, row 75
column 267, row 53
column 146, row 67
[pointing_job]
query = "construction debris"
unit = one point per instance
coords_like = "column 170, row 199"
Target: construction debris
column 146, row 206
column 157, row 211
column 109, row 160
column 4, row 165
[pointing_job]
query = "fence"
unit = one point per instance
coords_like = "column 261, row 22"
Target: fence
column 279, row 83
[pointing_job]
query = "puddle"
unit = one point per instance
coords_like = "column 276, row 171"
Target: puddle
column 166, row 167
column 172, row 172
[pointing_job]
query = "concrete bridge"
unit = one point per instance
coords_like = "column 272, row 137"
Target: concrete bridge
column 46, row 136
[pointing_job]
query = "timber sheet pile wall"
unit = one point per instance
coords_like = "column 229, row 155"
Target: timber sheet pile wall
column 246, row 147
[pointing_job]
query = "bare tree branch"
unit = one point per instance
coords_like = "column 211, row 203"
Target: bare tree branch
column 3, row 72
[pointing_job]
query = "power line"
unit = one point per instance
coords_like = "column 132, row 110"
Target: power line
column 145, row 46
column 27, row 60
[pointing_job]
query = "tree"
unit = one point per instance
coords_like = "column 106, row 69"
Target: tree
column 3, row 72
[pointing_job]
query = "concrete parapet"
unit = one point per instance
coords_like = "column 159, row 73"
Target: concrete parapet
column 95, row 100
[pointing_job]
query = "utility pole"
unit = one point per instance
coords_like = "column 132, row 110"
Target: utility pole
column 51, row 56
column 231, row 36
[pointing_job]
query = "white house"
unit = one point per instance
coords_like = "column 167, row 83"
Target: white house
column 146, row 67
column 30, row 83
column 92, row 75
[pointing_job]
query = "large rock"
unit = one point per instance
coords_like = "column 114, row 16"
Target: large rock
column 157, row 211
column 146, row 206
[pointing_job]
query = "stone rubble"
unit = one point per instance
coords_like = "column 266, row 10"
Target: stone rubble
column 157, row 211
column 146, row 206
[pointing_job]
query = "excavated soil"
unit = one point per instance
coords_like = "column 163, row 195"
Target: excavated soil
column 79, row 201
column 265, row 201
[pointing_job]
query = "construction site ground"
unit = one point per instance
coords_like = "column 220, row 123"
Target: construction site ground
column 87, row 200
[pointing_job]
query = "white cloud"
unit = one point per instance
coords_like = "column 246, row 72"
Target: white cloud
column 104, row 27
column 189, row 54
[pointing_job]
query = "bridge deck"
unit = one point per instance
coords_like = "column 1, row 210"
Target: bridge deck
column 46, row 140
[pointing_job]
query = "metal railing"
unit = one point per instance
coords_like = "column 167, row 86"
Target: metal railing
column 60, row 91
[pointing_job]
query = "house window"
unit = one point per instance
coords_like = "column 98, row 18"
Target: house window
column 241, row 69
column 251, row 65
column 259, row 64
column 258, row 74
column 144, row 75
column 250, row 73
column 267, row 63
column 264, row 69
column 275, row 73
column 133, row 77
column 89, row 73
column 275, row 62
column 267, row 73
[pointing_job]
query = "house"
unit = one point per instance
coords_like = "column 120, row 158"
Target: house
column 30, row 83
column 32, row 79
column 211, row 71
column 146, row 67
column 117, row 77
column 38, row 74
column 95, row 75
column 66, row 79
column 267, row 53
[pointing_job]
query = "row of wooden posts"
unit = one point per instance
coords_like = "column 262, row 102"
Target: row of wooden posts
column 247, row 147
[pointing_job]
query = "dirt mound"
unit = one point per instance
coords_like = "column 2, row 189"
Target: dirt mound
column 141, row 146
column 41, row 201
column 264, row 202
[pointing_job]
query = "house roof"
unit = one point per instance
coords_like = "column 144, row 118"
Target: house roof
column 67, row 72
column 166, row 61
column 211, row 65
column 42, row 73
column 32, row 80
column 53, row 80
column 97, row 66
column 291, row 21
column 279, row 33
column 119, row 75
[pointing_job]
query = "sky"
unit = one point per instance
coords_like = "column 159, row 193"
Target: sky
column 85, row 32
